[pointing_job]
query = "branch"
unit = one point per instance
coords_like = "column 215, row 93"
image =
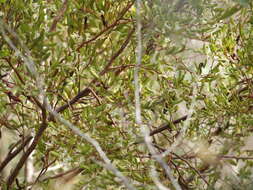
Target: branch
column 202, row 177
column 236, row 157
column 215, row 133
column 12, row 155
column 123, row 46
column 107, row 28
column 59, row 16
column 74, row 171
column 193, row 156
column 87, row 90
column 25, row 156
column 31, row 66
column 80, row 95
column 167, row 126
column 43, row 170
column 8, row 60
column 30, row 98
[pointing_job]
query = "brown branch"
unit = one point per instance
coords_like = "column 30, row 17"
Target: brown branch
column 59, row 15
column 4, row 75
column 181, row 179
column 100, row 103
column 87, row 90
column 201, row 170
column 30, row 98
column 236, row 157
column 95, row 96
column 73, row 172
column 215, row 133
column 107, row 28
column 167, row 126
column 193, row 156
column 8, row 60
column 80, row 95
column 205, row 167
column 123, row 46
column 44, row 170
column 12, row 155
column 25, row 156
column 200, row 175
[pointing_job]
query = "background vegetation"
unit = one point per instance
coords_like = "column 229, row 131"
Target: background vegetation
column 195, row 85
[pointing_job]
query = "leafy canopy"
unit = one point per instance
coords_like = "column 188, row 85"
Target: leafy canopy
column 195, row 82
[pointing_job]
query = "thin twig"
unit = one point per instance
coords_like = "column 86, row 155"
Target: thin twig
column 59, row 15
column 236, row 157
column 95, row 96
column 87, row 91
column 121, row 49
column 107, row 28
column 167, row 126
column 44, row 170
column 145, row 129
column 12, row 155
column 25, row 156
column 8, row 60
column 31, row 67
column 96, row 145
column 75, row 170
column 191, row 167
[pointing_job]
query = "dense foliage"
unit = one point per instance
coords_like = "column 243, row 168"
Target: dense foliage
column 195, row 84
